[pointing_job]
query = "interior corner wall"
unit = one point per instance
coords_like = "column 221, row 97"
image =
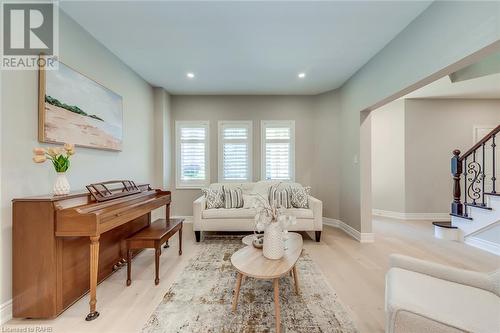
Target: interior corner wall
column 388, row 157
column 433, row 129
column 19, row 98
column 163, row 148
column 443, row 35
column 326, row 175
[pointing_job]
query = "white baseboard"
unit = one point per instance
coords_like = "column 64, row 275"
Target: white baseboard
column 483, row 245
column 412, row 216
column 6, row 312
column 187, row 219
column 362, row 237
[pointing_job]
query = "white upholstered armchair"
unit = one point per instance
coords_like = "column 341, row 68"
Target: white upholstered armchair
column 423, row 296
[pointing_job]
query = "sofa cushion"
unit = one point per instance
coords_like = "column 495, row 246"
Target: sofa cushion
column 232, row 213
column 300, row 213
column 233, row 197
column 300, row 196
column 250, row 200
column 245, row 187
column 437, row 300
column 280, row 196
column 214, row 198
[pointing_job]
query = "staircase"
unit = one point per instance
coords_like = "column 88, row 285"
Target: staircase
column 475, row 210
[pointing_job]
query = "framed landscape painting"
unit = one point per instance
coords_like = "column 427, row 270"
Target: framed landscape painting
column 73, row 108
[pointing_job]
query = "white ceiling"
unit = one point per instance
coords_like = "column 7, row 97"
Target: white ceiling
column 485, row 87
column 245, row 47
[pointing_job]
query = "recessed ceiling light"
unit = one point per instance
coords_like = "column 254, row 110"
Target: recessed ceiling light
column 302, row 75
column 190, row 75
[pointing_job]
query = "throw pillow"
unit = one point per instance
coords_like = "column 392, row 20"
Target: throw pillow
column 233, row 197
column 280, row 195
column 213, row 197
column 300, row 196
column 249, row 200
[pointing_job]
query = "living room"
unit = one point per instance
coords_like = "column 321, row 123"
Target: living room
column 266, row 103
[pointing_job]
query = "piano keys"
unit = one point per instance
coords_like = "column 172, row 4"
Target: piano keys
column 63, row 246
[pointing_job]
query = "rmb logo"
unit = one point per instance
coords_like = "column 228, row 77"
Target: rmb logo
column 29, row 29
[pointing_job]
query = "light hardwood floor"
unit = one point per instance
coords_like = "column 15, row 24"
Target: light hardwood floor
column 356, row 271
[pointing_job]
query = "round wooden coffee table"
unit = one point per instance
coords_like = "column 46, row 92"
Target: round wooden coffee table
column 250, row 261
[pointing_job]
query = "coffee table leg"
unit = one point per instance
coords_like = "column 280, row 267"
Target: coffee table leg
column 237, row 291
column 296, row 280
column 277, row 311
column 180, row 240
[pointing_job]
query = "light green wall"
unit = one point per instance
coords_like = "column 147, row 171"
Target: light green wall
column 442, row 35
column 19, row 98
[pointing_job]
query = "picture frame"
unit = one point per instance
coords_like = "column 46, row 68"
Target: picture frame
column 73, row 108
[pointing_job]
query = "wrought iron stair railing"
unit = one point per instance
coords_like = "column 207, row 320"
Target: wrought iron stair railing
column 479, row 166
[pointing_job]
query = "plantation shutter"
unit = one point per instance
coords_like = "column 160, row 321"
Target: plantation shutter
column 192, row 154
column 278, row 151
column 235, row 151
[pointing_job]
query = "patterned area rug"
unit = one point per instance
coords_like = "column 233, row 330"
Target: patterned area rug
column 200, row 299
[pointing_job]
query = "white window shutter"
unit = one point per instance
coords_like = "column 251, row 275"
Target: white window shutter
column 235, row 149
column 192, row 154
column 278, row 144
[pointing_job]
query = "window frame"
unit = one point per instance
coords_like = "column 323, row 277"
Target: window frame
column 277, row 123
column 220, row 144
column 197, row 184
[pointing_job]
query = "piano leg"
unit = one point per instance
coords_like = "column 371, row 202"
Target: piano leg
column 94, row 263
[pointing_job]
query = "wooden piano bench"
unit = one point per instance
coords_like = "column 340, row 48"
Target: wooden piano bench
column 152, row 237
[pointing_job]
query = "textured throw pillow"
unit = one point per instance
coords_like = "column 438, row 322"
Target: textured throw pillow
column 249, row 200
column 233, row 197
column 280, row 195
column 213, row 197
column 300, row 196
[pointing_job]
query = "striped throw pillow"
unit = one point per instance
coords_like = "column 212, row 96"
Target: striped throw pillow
column 233, row 197
column 280, row 195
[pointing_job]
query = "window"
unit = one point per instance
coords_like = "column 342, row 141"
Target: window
column 192, row 154
column 235, row 151
column 278, row 150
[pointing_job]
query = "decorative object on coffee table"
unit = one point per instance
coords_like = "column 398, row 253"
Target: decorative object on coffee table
column 267, row 218
column 249, row 261
column 59, row 156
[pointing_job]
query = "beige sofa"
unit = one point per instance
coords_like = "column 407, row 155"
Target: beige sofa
column 242, row 219
column 426, row 297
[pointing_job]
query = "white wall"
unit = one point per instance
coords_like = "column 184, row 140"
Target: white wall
column 388, row 157
column 317, row 138
column 412, row 144
column 255, row 108
column 433, row 129
column 21, row 177
column 437, row 41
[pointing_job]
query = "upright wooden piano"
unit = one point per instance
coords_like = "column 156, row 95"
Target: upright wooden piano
column 63, row 246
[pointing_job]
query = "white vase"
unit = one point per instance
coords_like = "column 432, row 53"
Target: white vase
column 273, row 247
column 61, row 186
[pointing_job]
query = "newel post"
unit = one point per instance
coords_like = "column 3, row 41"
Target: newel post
column 456, row 170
